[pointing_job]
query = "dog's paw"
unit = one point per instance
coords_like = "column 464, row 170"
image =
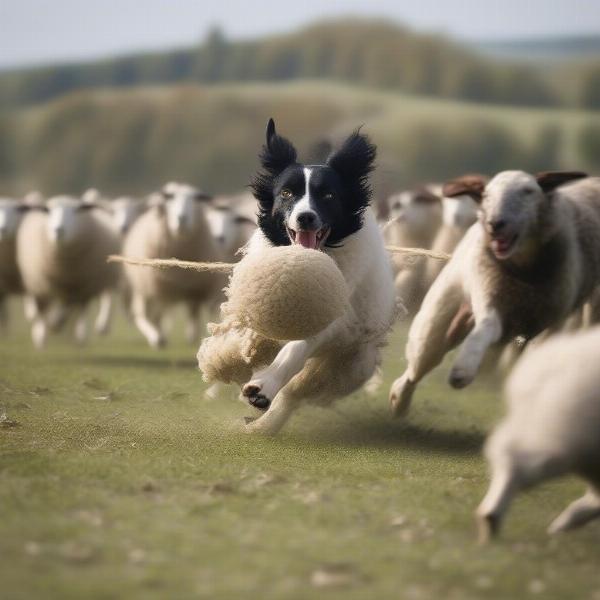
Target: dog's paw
column 460, row 377
column 253, row 393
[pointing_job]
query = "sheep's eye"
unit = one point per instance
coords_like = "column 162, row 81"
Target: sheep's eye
column 286, row 194
column 168, row 195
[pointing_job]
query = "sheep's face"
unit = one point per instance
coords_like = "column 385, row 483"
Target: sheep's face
column 511, row 207
column 417, row 209
column 460, row 212
column 11, row 212
column 64, row 218
column 183, row 207
column 312, row 205
column 124, row 212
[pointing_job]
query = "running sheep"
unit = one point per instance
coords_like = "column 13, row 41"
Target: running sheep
column 62, row 247
column 415, row 217
column 11, row 212
column 551, row 429
column 529, row 263
column 175, row 226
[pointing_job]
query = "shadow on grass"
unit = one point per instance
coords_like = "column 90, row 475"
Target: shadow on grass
column 385, row 433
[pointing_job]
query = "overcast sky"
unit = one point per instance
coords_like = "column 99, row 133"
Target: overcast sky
column 43, row 31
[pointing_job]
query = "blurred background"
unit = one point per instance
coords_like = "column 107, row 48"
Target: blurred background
column 123, row 96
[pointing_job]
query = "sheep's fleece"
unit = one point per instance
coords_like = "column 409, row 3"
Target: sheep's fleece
column 280, row 294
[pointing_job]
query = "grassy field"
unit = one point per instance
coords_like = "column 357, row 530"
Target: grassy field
column 118, row 478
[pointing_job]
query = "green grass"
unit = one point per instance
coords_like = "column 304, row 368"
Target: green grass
column 122, row 480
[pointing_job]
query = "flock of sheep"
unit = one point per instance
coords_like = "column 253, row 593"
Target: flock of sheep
column 54, row 251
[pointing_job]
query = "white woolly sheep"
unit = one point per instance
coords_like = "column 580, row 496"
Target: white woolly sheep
column 459, row 212
column 175, row 226
column 231, row 229
column 529, row 263
column 414, row 219
column 11, row 212
column 61, row 253
column 551, row 429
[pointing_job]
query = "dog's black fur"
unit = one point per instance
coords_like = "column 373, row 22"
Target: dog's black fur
column 339, row 189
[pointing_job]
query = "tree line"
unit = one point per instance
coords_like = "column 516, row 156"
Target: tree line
column 370, row 53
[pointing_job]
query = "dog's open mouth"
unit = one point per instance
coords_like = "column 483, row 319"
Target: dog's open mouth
column 313, row 240
column 502, row 245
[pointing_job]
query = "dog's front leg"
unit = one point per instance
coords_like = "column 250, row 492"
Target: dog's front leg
column 265, row 384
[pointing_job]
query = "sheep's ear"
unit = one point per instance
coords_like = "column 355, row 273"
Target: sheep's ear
column 424, row 196
column 550, row 180
column 90, row 206
column 467, row 185
column 203, row 196
column 91, row 196
column 278, row 152
column 355, row 158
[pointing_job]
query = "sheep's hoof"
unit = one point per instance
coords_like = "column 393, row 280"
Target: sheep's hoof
column 488, row 527
column 251, row 392
column 459, row 378
column 401, row 394
column 158, row 343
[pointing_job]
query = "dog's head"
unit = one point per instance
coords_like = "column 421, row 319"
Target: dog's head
column 312, row 205
column 513, row 204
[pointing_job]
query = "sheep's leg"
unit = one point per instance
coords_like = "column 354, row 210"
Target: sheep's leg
column 487, row 331
column 407, row 286
column 493, row 507
column 578, row 513
column 275, row 418
column 30, row 309
column 433, row 332
column 56, row 316
column 102, row 324
column 192, row 328
column 39, row 329
column 81, row 325
column 151, row 331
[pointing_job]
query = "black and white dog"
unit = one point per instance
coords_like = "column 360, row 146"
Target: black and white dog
column 323, row 207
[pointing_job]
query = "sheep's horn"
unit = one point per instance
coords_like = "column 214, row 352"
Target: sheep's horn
column 168, row 263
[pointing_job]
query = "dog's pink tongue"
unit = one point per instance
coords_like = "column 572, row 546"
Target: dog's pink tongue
column 308, row 239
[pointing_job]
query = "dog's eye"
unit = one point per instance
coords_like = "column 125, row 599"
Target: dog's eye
column 286, row 194
column 328, row 196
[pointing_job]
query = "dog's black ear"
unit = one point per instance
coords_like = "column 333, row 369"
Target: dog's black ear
column 355, row 158
column 278, row 152
column 550, row 180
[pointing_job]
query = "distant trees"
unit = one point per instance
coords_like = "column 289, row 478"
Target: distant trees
column 589, row 146
column 374, row 53
column 132, row 142
column 590, row 92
